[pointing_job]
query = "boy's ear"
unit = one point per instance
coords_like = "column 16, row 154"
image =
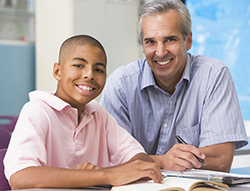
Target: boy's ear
column 57, row 71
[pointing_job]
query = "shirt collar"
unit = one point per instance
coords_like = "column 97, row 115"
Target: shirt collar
column 148, row 77
column 187, row 70
column 55, row 102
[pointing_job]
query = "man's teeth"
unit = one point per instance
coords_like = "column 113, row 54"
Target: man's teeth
column 165, row 62
column 86, row 88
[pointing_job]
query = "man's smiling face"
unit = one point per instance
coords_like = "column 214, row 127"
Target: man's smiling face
column 164, row 46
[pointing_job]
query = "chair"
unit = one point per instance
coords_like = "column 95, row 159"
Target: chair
column 3, row 181
column 11, row 122
column 4, row 138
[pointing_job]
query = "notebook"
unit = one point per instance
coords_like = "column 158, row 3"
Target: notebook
column 174, row 183
column 226, row 178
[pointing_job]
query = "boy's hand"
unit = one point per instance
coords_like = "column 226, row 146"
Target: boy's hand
column 132, row 171
column 87, row 165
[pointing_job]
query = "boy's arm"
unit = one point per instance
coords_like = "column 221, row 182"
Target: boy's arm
column 50, row 177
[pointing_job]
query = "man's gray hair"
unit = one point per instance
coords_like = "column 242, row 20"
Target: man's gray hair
column 161, row 6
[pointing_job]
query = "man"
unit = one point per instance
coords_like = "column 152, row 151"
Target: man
column 172, row 92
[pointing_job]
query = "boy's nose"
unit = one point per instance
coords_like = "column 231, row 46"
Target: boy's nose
column 89, row 73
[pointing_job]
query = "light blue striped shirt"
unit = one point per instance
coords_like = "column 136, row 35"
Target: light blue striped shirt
column 203, row 110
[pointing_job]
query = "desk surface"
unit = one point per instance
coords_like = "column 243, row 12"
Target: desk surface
column 62, row 189
column 245, row 187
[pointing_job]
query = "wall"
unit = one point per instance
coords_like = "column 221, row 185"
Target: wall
column 54, row 23
column 17, row 76
column 111, row 22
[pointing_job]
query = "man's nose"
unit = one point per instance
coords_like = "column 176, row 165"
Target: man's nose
column 161, row 50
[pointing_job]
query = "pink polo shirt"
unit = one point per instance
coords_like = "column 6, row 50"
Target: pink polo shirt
column 47, row 134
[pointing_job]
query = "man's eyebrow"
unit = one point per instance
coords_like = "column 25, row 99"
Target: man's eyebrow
column 145, row 39
column 166, row 37
column 82, row 59
column 171, row 37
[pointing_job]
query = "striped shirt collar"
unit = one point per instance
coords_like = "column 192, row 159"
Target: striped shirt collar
column 148, row 77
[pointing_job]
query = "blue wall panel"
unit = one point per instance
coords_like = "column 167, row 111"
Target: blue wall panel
column 17, row 77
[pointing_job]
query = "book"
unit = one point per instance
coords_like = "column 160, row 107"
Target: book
column 174, row 184
column 222, row 177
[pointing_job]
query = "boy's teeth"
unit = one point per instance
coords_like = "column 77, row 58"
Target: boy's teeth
column 165, row 62
column 85, row 88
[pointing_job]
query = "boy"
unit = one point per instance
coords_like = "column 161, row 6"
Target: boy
column 65, row 140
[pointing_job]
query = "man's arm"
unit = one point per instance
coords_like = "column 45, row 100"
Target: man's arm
column 219, row 157
column 181, row 157
column 39, row 177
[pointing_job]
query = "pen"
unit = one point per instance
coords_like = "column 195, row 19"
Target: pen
column 180, row 140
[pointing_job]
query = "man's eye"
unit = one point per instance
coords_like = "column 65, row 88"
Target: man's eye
column 149, row 42
column 171, row 40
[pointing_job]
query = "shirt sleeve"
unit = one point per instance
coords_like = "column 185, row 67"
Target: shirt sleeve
column 121, row 145
column 26, row 147
column 221, row 119
column 113, row 99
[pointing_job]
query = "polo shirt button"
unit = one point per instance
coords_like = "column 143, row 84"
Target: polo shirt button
column 160, row 150
column 165, row 125
column 171, row 102
column 71, row 112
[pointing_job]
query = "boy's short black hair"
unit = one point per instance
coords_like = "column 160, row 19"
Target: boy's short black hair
column 69, row 45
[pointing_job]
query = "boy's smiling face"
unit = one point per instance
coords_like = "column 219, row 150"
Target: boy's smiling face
column 81, row 76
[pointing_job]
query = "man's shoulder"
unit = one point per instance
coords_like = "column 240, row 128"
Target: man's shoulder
column 201, row 61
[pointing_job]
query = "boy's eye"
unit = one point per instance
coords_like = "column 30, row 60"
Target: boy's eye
column 99, row 70
column 78, row 65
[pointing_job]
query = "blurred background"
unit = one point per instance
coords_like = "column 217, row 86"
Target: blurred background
column 31, row 32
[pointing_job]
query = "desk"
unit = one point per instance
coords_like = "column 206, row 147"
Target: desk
column 62, row 189
column 245, row 187
column 240, row 189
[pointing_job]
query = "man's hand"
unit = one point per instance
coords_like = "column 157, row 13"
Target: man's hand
column 180, row 158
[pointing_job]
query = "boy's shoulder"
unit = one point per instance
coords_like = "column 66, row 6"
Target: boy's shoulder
column 46, row 99
column 94, row 107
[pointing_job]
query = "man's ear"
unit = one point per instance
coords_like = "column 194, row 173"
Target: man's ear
column 57, row 71
column 189, row 41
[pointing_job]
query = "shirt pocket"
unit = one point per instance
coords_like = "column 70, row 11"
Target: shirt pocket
column 189, row 134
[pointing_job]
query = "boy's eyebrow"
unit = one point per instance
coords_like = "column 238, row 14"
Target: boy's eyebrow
column 82, row 59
